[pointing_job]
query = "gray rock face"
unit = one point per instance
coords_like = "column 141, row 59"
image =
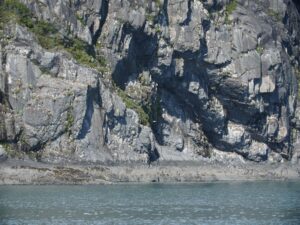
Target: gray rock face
column 204, row 79
column 3, row 155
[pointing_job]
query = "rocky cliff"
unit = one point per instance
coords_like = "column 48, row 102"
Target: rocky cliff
column 117, row 81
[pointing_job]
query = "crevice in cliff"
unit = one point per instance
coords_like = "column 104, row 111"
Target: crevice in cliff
column 213, row 6
column 203, row 44
column 92, row 97
column 140, row 53
column 213, row 67
column 3, row 136
column 188, row 15
column 4, row 98
column 103, row 13
column 173, row 105
column 297, row 4
column 87, row 121
column 165, row 11
column 153, row 155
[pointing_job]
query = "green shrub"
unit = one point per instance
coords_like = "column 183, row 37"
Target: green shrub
column 273, row 14
column 150, row 17
column 13, row 9
column 80, row 19
column 297, row 73
column 158, row 3
column 12, row 152
column 259, row 49
column 69, row 121
column 34, row 155
column 230, row 7
column 16, row 7
column 148, row 111
column 44, row 28
column 131, row 104
column 158, row 30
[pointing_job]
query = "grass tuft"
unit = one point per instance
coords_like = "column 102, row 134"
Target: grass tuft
column 229, row 10
column 131, row 104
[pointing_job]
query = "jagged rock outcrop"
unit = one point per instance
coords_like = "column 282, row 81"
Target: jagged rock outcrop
column 184, row 77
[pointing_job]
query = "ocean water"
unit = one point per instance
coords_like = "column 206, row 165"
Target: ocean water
column 201, row 203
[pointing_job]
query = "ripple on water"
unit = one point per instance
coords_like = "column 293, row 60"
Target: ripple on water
column 217, row 203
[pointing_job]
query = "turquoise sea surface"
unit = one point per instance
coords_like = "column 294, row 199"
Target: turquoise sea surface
column 200, row 203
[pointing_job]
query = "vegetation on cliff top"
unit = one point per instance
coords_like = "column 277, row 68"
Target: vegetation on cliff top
column 48, row 35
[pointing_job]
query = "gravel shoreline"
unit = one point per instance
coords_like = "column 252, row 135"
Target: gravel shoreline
column 28, row 172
